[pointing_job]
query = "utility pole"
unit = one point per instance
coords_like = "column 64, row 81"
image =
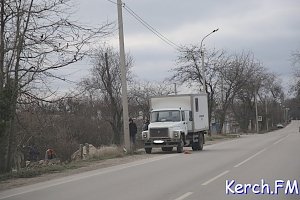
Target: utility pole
column 267, row 120
column 123, row 78
column 256, row 111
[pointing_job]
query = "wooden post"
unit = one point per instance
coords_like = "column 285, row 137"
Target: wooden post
column 81, row 151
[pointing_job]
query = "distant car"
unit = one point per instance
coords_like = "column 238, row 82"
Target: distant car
column 279, row 126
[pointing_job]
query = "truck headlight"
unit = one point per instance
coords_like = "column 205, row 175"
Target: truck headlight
column 144, row 135
column 176, row 134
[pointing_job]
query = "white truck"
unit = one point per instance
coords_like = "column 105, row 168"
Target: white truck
column 177, row 121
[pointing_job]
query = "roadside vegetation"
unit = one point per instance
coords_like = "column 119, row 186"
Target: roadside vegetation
column 217, row 137
column 35, row 169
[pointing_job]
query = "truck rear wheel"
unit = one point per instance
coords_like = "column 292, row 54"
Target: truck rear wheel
column 148, row 150
column 201, row 141
column 180, row 146
column 196, row 146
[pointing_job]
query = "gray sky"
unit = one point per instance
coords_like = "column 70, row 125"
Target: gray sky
column 270, row 29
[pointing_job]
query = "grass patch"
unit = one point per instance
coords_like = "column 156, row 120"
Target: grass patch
column 220, row 136
column 37, row 171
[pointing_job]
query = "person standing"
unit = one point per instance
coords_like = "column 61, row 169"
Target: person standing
column 132, row 130
column 50, row 154
column 146, row 124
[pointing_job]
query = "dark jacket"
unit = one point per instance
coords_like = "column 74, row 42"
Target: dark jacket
column 145, row 126
column 132, row 129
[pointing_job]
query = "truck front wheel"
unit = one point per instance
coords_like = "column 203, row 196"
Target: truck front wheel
column 148, row 150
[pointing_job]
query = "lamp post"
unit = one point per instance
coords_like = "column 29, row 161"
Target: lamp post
column 202, row 57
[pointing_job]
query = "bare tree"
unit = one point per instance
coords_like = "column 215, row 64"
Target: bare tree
column 37, row 37
column 189, row 70
column 140, row 94
column 105, row 80
column 235, row 72
column 61, row 125
column 296, row 57
column 266, row 88
column 231, row 82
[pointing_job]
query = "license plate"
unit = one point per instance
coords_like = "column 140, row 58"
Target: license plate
column 158, row 141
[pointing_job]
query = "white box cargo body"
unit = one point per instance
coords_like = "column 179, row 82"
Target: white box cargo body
column 197, row 103
column 177, row 121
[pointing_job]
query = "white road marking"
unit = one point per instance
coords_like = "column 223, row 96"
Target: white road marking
column 184, row 196
column 278, row 141
column 250, row 157
column 43, row 185
column 215, row 178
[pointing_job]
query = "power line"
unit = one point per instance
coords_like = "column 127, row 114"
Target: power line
column 150, row 28
column 112, row 2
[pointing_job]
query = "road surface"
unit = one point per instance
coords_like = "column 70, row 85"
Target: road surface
column 251, row 164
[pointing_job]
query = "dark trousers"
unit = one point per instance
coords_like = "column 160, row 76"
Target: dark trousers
column 132, row 139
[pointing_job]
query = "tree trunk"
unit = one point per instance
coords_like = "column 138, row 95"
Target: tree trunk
column 3, row 148
column 222, row 120
column 7, row 134
column 210, row 109
column 11, row 146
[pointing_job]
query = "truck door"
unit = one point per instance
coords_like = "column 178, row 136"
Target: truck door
column 184, row 120
column 189, row 117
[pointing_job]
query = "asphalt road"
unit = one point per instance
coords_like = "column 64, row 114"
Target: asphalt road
column 261, row 159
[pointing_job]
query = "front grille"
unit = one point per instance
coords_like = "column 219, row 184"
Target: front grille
column 159, row 132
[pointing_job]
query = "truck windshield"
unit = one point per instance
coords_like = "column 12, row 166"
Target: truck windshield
column 165, row 116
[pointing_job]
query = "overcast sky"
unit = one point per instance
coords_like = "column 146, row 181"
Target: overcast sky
column 270, row 29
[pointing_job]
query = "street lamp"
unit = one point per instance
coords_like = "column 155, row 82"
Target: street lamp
column 202, row 57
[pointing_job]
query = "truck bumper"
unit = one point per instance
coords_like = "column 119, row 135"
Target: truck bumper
column 161, row 142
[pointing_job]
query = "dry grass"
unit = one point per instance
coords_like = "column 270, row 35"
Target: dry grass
column 220, row 137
